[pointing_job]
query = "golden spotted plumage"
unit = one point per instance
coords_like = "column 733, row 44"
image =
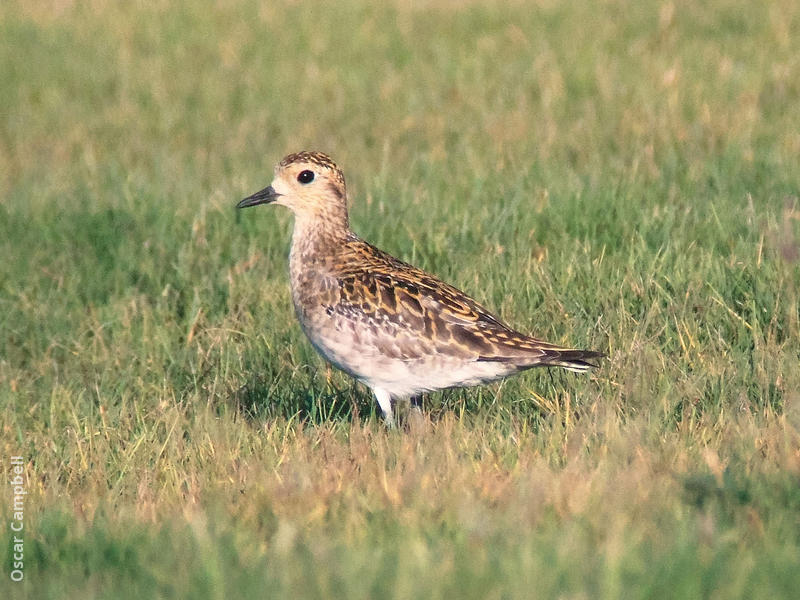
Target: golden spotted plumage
column 396, row 328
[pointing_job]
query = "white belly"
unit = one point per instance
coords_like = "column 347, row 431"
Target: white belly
column 362, row 358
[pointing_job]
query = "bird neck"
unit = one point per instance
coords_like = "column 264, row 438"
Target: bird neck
column 317, row 236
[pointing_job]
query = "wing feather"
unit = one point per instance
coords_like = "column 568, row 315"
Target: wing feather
column 400, row 301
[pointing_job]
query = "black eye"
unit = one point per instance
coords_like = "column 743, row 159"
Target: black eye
column 305, row 177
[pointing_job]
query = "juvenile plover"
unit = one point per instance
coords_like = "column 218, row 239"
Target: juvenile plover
column 399, row 330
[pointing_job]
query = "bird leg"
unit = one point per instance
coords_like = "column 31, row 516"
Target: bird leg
column 385, row 402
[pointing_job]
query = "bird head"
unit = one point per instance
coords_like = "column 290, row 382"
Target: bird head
column 309, row 184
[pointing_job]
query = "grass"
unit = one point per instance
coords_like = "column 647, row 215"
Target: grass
column 621, row 177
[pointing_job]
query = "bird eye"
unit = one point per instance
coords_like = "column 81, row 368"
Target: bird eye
column 305, row 177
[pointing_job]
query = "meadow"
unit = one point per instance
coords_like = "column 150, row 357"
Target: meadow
column 622, row 176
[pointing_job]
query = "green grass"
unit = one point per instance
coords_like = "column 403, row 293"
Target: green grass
column 621, row 177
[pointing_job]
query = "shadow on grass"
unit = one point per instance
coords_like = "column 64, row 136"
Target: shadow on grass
column 263, row 398
column 343, row 400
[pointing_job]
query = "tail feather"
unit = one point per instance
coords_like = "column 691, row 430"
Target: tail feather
column 572, row 360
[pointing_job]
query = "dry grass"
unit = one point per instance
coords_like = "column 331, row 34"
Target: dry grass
column 620, row 177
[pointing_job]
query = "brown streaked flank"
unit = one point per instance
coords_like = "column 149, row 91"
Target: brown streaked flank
column 394, row 327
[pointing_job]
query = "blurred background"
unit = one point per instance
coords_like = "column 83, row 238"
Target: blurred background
column 614, row 175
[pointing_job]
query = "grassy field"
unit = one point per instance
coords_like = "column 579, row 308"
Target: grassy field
column 622, row 176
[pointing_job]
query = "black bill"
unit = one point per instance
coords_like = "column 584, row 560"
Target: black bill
column 265, row 196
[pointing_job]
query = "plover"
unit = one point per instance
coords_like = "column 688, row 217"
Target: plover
column 394, row 327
